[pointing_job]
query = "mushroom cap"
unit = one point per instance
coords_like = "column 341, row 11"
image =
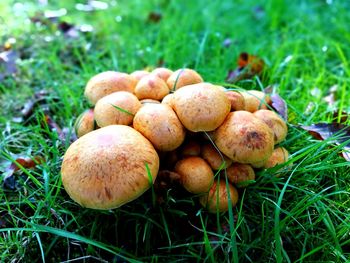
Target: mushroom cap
column 190, row 148
column 213, row 157
column 168, row 99
column 151, row 87
column 236, row 99
column 201, row 107
column 279, row 156
column 196, row 174
column 239, row 173
column 244, row 138
column 109, row 167
column 255, row 100
column 183, row 77
column 146, row 101
column 85, row 123
column 276, row 123
column 217, row 198
column 163, row 73
column 106, row 83
column 139, row 74
column 159, row 124
column 116, row 108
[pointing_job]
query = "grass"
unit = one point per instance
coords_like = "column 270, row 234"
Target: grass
column 301, row 216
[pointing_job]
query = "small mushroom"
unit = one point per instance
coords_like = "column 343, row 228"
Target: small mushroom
column 116, row 108
column 276, row 123
column 244, row 138
column 151, row 87
column 163, row 73
column 106, row 83
column 139, row 74
column 214, row 158
column 240, row 174
column 190, row 148
column 159, row 124
column 255, row 100
column 196, row 174
column 109, row 167
column 217, row 199
column 279, row 156
column 201, row 107
column 236, row 99
column 85, row 123
column 183, row 77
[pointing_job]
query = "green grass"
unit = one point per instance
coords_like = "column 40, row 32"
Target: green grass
column 301, row 216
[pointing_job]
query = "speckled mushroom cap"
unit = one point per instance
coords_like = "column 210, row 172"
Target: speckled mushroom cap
column 106, row 83
column 108, row 167
column 151, row 87
column 85, row 123
column 217, row 199
column 244, row 138
column 201, row 107
column 255, row 100
column 160, row 125
column 163, row 73
column 183, row 77
column 116, row 108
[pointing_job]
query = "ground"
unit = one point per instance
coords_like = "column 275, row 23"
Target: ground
column 300, row 216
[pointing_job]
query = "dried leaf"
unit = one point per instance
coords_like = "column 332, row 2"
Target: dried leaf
column 324, row 131
column 154, row 17
column 248, row 67
column 9, row 179
column 279, row 105
column 8, row 63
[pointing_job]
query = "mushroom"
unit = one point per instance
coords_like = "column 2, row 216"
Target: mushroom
column 109, row 167
column 146, row 101
column 85, row 123
column 183, row 77
column 168, row 99
column 116, row 108
column 279, row 156
column 159, row 124
column 162, row 73
column 240, row 174
column 139, row 74
column 255, row 100
column 276, row 123
column 106, row 83
column 190, row 148
column 244, row 138
column 236, row 99
column 201, row 107
column 217, row 199
column 151, row 87
column 196, row 174
column 214, row 157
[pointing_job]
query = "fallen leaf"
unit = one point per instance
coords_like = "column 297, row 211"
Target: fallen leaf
column 279, row 105
column 8, row 63
column 248, row 66
column 9, row 179
column 154, row 17
column 324, row 131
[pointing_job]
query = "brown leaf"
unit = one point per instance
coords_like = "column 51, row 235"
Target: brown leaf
column 324, row 131
column 9, row 180
column 8, row 63
column 154, row 17
column 247, row 67
column 279, row 105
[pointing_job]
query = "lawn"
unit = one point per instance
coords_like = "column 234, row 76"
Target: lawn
column 301, row 216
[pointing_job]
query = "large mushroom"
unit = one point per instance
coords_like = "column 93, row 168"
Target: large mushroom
column 201, row 107
column 244, row 138
column 106, row 83
column 159, row 124
column 109, row 167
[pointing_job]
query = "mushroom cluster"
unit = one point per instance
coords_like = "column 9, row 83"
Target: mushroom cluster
column 208, row 139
